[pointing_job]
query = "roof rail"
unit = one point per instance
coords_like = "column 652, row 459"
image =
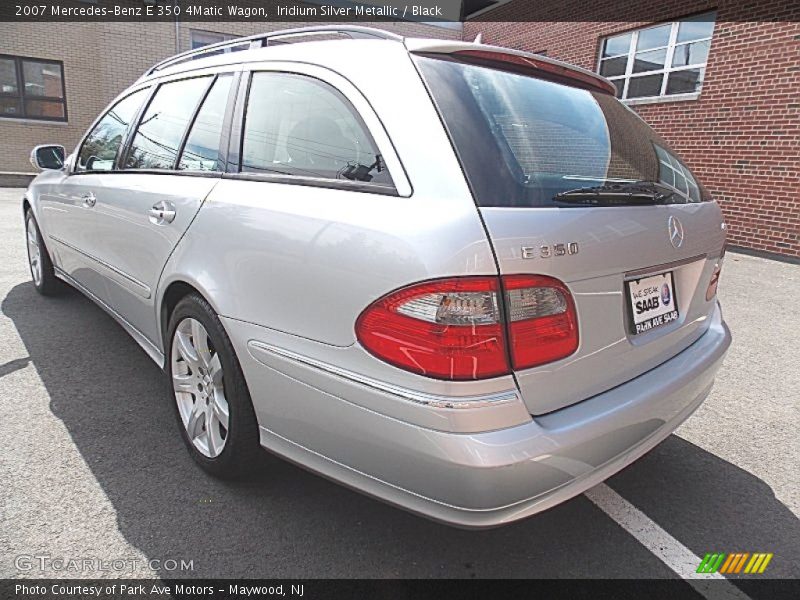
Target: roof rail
column 261, row 40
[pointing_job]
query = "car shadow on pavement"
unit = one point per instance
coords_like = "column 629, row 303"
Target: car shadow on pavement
column 114, row 402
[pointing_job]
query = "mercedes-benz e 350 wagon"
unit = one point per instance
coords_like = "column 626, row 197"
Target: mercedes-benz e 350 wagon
column 463, row 279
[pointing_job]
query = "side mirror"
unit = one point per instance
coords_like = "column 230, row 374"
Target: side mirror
column 48, row 157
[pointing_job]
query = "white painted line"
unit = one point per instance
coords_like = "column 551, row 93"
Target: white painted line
column 666, row 548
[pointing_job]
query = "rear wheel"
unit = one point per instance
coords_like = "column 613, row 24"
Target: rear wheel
column 211, row 400
column 42, row 272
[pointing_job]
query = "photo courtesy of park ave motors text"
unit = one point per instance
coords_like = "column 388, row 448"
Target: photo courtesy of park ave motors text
column 507, row 281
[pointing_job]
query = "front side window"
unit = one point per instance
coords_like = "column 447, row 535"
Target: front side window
column 161, row 129
column 299, row 126
column 663, row 60
column 31, row 88
column 100, row 148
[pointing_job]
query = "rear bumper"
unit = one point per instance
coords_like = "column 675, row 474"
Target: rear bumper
column 480, row 479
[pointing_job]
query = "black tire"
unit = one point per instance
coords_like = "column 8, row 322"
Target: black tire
column 48, row 284
column 242, row 453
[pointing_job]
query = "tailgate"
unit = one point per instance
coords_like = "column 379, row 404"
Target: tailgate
column 614, row 246
column 572, row 184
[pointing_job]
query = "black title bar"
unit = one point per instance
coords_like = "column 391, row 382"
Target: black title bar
column 365, row 11
column 412, row 589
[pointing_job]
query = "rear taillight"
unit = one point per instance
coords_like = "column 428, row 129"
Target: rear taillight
column 542, row 322
column 712, row 285
column 454, row 328
column 447, row 329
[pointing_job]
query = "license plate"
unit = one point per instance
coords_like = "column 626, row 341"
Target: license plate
column 652, row 302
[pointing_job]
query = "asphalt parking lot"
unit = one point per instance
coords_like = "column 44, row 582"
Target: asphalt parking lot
column 92, row 465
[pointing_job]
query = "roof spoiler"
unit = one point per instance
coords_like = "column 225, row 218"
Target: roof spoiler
column 497, row 57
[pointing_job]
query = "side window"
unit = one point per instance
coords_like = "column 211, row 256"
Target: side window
column 201, row 152
column 297, row 125
column 101, row 145
column 158, row 137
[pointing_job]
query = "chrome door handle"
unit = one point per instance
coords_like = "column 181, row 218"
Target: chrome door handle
column 89, row 200
column 161, row 212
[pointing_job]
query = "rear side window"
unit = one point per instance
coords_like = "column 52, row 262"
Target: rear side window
column 299, row 126
column 162, row 127
column 201, row 152
column 100, row 148
column 523, row 141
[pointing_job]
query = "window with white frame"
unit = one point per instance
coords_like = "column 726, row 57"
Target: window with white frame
column 659, row 61
column 204, row 38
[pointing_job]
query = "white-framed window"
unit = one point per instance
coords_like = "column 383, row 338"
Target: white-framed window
column 204, row 38
column 673, row 172
column 665, row 60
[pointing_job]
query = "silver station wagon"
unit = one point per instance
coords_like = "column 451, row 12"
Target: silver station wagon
column 463, row 279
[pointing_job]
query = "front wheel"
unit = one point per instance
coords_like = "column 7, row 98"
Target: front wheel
column 211, row 399
column 42, row 272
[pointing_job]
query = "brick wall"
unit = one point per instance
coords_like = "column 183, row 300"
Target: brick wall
column 102, row 59
column 741, row 137
column 98, row 65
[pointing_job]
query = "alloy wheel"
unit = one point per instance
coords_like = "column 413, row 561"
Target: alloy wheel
column 34, row 252
column 197, row 381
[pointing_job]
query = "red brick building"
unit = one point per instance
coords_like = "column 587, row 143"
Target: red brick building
column 719, row 80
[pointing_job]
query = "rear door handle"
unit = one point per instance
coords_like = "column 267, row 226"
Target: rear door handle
column 89, row 200
column 161, row 212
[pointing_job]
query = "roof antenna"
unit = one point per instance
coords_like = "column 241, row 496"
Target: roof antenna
column 478, row 38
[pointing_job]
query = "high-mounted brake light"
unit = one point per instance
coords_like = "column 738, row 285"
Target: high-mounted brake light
column 544, row 66
column 454, row 329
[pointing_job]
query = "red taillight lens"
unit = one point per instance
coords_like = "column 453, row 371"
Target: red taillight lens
column 452, row 328
column 542, row 322
column 447, row 329
column 712, row 286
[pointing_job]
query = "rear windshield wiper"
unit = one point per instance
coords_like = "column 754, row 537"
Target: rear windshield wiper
column 634, row 193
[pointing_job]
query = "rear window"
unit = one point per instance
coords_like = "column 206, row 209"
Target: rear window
column 523, row 140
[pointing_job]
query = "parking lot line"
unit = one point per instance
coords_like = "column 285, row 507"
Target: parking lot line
column 660, row 543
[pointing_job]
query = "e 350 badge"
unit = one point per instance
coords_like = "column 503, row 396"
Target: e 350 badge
column 546, row 251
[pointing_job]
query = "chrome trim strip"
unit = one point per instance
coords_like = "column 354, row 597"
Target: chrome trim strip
column 432, row 400
column 149, row 347
column 145, row 290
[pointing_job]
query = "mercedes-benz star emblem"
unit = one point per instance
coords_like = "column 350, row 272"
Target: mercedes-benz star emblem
column 675, row 229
